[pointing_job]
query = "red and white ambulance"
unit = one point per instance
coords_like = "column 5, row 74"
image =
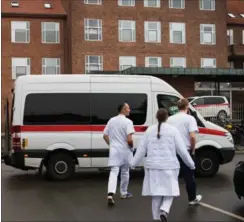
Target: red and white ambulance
column 57, row 121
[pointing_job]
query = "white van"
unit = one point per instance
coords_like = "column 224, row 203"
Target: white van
column 58, row 121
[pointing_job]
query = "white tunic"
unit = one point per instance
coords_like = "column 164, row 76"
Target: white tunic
column 185, row 124
column 117, row 129
column 161, row 163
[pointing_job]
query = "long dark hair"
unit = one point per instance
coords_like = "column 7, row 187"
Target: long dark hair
column 162, row 116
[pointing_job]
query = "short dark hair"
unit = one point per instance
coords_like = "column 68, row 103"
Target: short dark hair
column 182, row 104
column 120, row 107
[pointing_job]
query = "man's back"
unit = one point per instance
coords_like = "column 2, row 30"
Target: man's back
column 185, row 124
column 117, row 129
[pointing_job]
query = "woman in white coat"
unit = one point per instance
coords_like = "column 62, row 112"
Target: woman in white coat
column 161, row 143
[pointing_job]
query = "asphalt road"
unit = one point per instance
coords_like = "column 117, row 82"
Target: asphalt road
column 27, row 197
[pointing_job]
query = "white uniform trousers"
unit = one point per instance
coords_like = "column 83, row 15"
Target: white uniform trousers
column 124, row 179
column 160, row 203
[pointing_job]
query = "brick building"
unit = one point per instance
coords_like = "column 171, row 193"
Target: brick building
column 235, row 32
column 78, row 36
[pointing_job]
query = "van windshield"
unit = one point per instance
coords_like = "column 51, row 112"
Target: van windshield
column 169, row 102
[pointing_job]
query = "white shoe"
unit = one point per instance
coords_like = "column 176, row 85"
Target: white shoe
column 110, row 200
column 196, row 201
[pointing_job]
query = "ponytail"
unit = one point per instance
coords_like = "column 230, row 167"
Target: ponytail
column 159, row 126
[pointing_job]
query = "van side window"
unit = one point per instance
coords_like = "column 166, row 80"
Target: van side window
column 168, row 102
column 199, row 101
column 57, row 109
column 105, row 105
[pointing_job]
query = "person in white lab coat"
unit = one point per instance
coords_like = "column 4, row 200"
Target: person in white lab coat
column 118, row 135
column 161, row 144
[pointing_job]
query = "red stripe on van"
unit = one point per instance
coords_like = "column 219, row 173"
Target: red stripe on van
column 71, row 128
column 97, row 128
column 211, row 132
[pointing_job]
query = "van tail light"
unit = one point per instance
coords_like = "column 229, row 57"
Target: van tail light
column 16, row 142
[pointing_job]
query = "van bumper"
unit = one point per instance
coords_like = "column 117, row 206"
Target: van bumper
column 16, row 160
column 227, row 154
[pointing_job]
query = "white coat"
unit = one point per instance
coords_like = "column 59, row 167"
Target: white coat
column 161, row 163
column 117, row 129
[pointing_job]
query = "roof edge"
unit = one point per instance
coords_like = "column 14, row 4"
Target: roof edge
column 31, row 15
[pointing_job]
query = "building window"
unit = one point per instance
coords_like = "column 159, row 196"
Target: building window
column 126, row 62
column 50, row 66
column 230, row 36
column 207, row 4
column 127, row 31
column 20, row 32
column 20, row 67
column 93, row 2
column 126, row 2
column 242, row 36
column 93, row 63
column 152, row 3
column 50, row 32
column 152, row 31
column 93, row 29
column 153, row 62
column 179, row 4
column 177, row 33
column 208, row 34
column 178, row 62
column 208, row 63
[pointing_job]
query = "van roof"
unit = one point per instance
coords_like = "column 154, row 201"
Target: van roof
column 69, row 78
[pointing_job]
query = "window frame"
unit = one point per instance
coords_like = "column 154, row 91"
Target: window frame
column 130, row 58
column 133, row 30
column 99, row 2
column 14, row 24
column 171, row 4
column 213, row 5
column 204, row 59
column 159, row 61
column 99, row 29
column 182, row 30
column 44, row 29
column 147, row 30
column 230, row 36
column 133, row 3
column 146, row 4
column 213, row 32
column 88, row 63
column 172, row 61
column 57, row 67
column 27, row 66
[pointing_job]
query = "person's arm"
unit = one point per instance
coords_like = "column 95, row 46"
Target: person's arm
column 182, row 151
column 140, row 151
column 106, row 133
column 130, row 131
column 193, row 128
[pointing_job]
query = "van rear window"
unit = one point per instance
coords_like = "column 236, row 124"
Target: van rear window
column 81, row 108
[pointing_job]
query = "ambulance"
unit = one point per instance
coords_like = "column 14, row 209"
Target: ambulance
column 57, row 122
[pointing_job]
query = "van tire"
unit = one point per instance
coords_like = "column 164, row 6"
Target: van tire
column 60, row 166
column 207, row 163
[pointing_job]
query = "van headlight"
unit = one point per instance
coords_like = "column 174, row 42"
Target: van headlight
column 229, row 137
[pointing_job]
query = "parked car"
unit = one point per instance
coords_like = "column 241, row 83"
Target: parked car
column 238, row 179
column 211, row 106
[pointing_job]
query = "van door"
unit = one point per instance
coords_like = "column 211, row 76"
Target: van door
column 104, row 106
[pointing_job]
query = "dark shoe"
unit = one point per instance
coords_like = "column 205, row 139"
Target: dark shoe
column 163, row 216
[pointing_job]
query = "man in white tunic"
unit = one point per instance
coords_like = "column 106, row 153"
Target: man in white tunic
column 187, row 126
column 161, row 144
column 118, row 135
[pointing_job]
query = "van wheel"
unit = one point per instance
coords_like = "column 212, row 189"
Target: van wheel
column 207, row 163
column 222, row 115
column 60, row 166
